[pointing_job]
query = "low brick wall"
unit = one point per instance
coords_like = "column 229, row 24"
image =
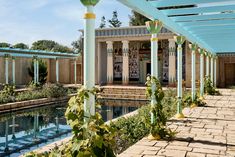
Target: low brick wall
column 14, row 106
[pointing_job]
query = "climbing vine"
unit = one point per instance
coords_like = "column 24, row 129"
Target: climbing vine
column 209, row 88
column 91, row 138
column 158, row 125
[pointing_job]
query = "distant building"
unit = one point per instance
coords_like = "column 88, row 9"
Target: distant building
column 123, row 57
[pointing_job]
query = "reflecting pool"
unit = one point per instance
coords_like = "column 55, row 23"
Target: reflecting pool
column 25, row 130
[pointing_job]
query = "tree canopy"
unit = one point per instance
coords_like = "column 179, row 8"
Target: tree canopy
column 137, row 19
column 21, row 46
column 103, row 22
column 49, row 45
column 114, row 22
column 3, row 44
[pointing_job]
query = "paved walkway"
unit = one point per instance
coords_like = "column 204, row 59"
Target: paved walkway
column 207, row 132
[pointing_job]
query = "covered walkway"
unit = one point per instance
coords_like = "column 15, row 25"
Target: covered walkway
column 207, row 132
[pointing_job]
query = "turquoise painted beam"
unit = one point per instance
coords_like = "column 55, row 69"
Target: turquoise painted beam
column 213, row 27
column 198, row 10
column 32, row 55
column 167, row 3
column 39, row 52
column 207, row 23
column 145, row 8
column 212, row 31
column 203, row 17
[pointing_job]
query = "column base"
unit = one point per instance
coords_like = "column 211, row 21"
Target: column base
column 125, row 83
column 156, row 137
column 193, row 105
column 179, row 116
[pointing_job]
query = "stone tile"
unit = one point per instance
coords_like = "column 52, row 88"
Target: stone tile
column 179, row 148
column 191, row 154
column 149, row 152
column 172, row 153
column 206, row 150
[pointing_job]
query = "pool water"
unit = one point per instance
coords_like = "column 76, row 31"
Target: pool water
column 25, row 130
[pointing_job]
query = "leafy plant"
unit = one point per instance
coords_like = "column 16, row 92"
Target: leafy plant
column 187, row 100
column 30, row 95
column 209, row 88
column 54, row 90
column 42, row 71
column 91, row 138
column 7, row 94
column 158, row 123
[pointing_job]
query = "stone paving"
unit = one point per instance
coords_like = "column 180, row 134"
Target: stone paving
column 206, row 132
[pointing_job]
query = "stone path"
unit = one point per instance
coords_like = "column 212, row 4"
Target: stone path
column 207, row 132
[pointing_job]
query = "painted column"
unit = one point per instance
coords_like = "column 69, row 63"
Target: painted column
column 13, row 128
column 154, row 27
column 109, row 112
column 212, row 69
column 6, row 69
column 75, row 71
column 109, row 62
column 172, row 60
column 89, row 55
column 215, row 71
column 35, row 69
column 193, row 47
column 13, row 71
column 6, row 135
column 207, row 64
column 179, row 40
column 57, row 70
column 125, row 62
column 57, row 124
column 201, row 52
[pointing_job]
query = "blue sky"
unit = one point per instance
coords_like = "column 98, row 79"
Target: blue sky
column 31, row 20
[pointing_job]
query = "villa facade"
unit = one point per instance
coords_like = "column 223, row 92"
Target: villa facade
column 123, row 57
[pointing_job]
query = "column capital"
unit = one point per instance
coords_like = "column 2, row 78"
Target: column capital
column 201, row 51
column 179, row 39
column 125, row 42
column 193, row 46
column 109, row 42
column 89, row 2
column 125, row 46
column 171, row 40
column 6, row 56
column 154, row 27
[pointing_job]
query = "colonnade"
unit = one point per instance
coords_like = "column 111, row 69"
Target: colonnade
column 154, row 27
column 36, row 69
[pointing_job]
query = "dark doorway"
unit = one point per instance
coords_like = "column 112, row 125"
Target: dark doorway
column 230, row 74
column 148, row 70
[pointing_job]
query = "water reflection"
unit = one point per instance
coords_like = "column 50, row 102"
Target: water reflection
column 25, row 130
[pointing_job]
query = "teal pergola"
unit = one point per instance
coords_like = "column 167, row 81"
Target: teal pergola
column 207, row 24
column 12, row 53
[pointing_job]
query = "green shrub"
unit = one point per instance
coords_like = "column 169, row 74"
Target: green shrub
column 54, row 90
column 188, row 101
column 34, row 86
column 42, row 71
column 30, row 95
column 7, row 94
column 170, row 102
column 209, row 88
column 131, row 129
